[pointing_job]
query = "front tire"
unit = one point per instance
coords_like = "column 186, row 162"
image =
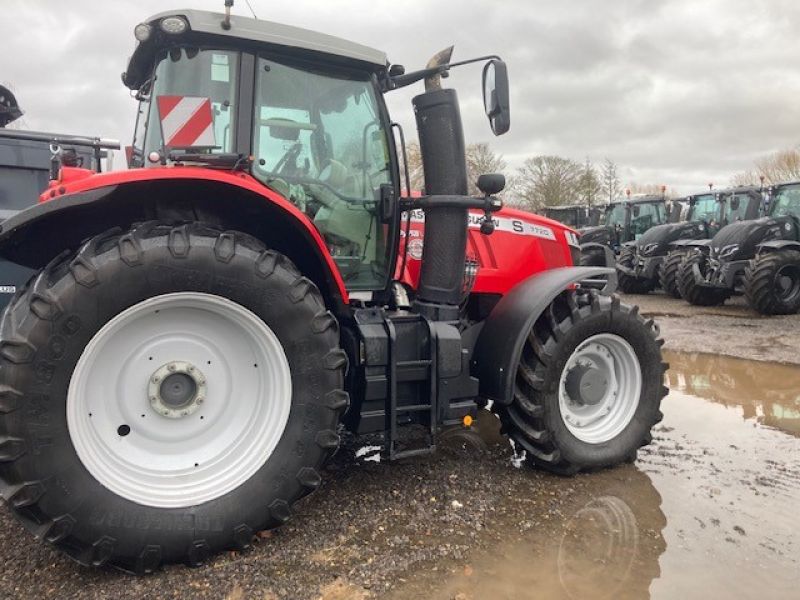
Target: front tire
column 697, row 294
column 563, row 432
column 668, row 272
column 628, row 284
column 772, row 282
column 114, row 470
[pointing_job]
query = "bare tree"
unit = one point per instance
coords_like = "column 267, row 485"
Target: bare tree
column 610, row 180
column 415, row 170
column 547, row 181
column 481, row 159
column 589, row 184
column 778, row 167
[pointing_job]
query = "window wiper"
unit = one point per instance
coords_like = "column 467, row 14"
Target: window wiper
column 223, row 160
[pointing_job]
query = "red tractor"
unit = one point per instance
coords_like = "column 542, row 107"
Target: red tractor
column 202, row 327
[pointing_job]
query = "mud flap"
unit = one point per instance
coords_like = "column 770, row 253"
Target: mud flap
column 503, row 336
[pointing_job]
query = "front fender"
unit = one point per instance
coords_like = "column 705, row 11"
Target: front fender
column 778, row 245
column 688, row 244
column 499, row 346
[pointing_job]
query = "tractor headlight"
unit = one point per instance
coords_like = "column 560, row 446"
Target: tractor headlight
column 142, row 32
column 650, row 249
column 174, row 25
column 728, row 251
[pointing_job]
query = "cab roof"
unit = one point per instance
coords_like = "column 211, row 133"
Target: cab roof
column 205, row 27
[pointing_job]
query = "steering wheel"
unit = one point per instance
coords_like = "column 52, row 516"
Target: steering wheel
column 282, row 166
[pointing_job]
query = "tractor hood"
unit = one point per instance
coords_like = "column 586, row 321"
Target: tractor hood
column 738, row 241
column 599, row 234
column 656, row 240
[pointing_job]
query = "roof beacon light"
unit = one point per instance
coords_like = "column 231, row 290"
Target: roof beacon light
column 142, row 32
column 174, row 25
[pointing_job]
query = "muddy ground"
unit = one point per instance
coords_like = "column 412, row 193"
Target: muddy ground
column 733, row 329
column 708, row 510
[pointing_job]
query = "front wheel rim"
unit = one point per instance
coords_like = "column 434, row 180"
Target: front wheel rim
column 615, row 365
column 213, row 426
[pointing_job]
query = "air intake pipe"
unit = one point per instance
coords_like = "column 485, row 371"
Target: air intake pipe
column 441, row 141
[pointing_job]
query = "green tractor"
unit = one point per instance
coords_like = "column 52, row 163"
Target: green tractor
column 620, row 223
column 759, row 258
column 654, row 258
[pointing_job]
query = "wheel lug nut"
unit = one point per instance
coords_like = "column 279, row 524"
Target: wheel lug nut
column 171, row 367
column 156, row 378
column 200, row 400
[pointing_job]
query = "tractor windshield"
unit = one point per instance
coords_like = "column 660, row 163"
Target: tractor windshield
column 705, row 208
column 736, row 206
column 191, row 74
column 321, row 142
column 787, row 202
column 614, row 215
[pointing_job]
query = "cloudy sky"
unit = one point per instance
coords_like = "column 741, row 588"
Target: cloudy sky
column 678, row 92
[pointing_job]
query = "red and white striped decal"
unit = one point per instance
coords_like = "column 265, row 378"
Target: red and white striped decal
column 186, row 122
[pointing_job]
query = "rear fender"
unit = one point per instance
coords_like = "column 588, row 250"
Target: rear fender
column 499, row 346
column 34, row 236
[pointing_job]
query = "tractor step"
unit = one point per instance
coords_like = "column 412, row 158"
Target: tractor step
column 406, row 371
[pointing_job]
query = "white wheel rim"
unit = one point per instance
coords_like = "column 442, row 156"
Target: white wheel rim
column 615, row 360
column 179, row 460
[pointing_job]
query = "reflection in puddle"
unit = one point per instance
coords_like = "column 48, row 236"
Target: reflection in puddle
column 708, row 511
column 766, row 392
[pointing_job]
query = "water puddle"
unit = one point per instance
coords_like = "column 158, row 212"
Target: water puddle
column 709, row 510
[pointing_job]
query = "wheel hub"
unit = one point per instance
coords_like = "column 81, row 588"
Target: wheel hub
column 586, row 384
column 599, row 388
column 176, row 389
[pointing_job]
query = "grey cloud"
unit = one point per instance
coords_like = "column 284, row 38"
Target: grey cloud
column 679, row 92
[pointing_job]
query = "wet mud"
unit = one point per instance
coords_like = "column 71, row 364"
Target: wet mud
column 708, row 510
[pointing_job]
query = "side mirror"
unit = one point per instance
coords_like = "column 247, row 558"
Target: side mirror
column 735, row 203
column 495, row 96
column 492, row 183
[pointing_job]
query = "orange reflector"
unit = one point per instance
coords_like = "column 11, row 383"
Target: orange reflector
column 467, row 420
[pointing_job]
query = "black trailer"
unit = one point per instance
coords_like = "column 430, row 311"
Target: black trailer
column 25, row 171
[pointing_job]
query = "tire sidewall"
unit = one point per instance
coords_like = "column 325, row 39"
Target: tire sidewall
column 629, row 327
column 70, row 489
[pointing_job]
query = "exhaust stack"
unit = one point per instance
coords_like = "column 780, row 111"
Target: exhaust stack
column 441, row 140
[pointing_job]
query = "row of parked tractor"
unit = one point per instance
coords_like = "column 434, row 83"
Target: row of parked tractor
column 704, row 248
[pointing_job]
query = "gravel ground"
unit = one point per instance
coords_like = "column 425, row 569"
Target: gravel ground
column 729, row 330
column 404, row 530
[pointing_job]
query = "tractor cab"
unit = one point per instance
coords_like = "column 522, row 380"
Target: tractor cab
column 576, row 216
column 784, row 201
column 622, row 222
column 740, row 204
column 313, row 129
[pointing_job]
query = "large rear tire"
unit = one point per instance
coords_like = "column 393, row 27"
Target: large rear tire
column 628, row 284
column 687, row 285
column 588, row 386
column 165, row 393
column 668, row 272
column 772, row 282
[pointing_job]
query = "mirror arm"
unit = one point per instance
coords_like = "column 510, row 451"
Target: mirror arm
column 400, row 81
